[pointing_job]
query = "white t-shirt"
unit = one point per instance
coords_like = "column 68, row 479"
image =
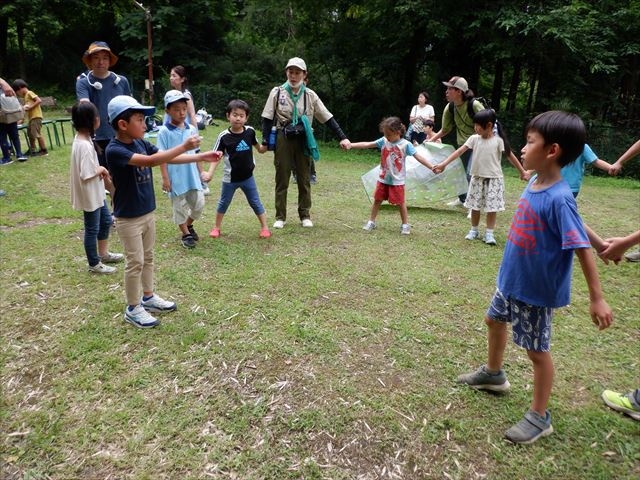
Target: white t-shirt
column 487, row 154
column 86, row 195
column 423, row 112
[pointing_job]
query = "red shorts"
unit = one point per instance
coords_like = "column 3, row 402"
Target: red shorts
column 393, row 193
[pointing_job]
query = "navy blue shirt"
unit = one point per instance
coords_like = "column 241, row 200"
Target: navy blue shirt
column 134, row 195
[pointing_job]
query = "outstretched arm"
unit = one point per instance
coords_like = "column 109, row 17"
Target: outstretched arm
column 362, row 145
column 600, row 311
column 624, row 158
column 439, row 168
column 524, row 175
column 616, row 246
column 423, row 160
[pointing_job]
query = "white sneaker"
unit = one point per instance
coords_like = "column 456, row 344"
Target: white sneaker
column 158, row 304
column 102, row 268
column 139, row 317
column 307, row 223
column 112, row 257
column 205, row 189
column 489, row 239
column 472, row 235
column 279, row 224
column 370, row 225
column 405, row 229
column 455, row 203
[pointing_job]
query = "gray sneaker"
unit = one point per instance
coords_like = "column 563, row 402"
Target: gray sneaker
column 102, row 268
column 112, row 258
column 157, row 304
column 482, row 380
column 530, row 428
column 139, row 317
column 405, row 229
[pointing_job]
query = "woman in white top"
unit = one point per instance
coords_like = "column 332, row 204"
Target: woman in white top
column 419, row 113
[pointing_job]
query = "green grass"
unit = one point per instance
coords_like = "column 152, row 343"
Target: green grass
column 322, row 353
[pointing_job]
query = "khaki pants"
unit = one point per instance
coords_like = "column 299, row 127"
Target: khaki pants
column 138, row 236
column 288, row 154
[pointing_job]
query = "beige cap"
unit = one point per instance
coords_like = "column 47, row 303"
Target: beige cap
column 296, row 62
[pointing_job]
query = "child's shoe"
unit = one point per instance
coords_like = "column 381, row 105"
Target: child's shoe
column 622, row 403
column 42, row 153
column 102, row 268
column 472, row 235
column 265, row 233
column 215, row 232
column 483, row 380
column 157, row 304
column 405, row 229
column 112, row 258
column 139, row 317
column 369, row 226
column 188, row 241
column 193, row 232
column 530, row 428
column 489, row 239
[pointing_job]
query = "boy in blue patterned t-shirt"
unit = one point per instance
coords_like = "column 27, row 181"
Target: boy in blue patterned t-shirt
column 535, row 274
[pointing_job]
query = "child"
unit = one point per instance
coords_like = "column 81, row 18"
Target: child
column 182, row 182
column 427, row 128
column 34, row 111
column 535, row 275
column 86, row 178
column 235, row 143
column 394, row 151
column 130, row 159
column 486, row 187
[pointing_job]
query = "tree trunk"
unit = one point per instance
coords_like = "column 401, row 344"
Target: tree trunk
column 4, row 37
column 513, row 87
column 22, row 65
column 496, row 93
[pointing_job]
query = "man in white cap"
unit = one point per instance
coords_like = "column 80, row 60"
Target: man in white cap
column 458, row 114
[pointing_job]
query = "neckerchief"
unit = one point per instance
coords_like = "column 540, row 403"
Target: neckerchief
column 294, row 99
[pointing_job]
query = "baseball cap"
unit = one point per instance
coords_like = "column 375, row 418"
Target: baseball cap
column 173, row 96
column 98, row 47
column 122, row 103
column 296, row 62
column 457, row 82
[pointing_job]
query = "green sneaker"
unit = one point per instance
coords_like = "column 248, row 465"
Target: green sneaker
column 483, row 380
column 622, row 403
column 530, row 428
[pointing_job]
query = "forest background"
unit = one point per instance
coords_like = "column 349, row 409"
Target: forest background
column 367, row 59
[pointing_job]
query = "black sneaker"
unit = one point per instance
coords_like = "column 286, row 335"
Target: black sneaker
column 193, row 233
column 188, row 241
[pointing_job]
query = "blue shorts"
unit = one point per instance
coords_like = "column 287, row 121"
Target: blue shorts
column 531, row 325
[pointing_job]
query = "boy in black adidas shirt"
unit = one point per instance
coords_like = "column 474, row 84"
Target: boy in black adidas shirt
column 235, row 144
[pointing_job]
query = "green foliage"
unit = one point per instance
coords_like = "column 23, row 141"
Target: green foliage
column 367, row 59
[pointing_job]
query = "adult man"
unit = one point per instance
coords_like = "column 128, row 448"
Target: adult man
column 98, row 86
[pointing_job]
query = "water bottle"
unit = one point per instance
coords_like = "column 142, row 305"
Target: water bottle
column 272, row 139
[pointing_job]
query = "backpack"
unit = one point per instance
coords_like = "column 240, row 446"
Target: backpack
column 470, row 111
column 10, row 109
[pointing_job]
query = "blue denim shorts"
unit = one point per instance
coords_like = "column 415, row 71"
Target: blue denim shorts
column 530, row 324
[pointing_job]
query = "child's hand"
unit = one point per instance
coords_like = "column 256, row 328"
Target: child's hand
column 262, row 148
column 192, row 142
column 211, row 156
column 205, row 177
column 438, row 169
column 615, row 169
column 526, row 176
column 601, row 314
column 345, row 144
column 166, row 185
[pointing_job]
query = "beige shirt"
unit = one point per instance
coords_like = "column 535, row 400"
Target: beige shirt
column 87, row 189
column 284, row 111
